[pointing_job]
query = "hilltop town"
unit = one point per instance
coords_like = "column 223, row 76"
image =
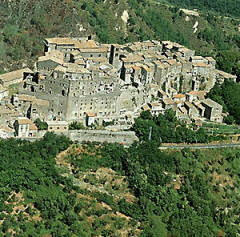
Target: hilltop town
column 79, row 79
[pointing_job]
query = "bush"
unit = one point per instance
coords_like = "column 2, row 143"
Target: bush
column 76, row 126
column 40, row 124
column 229, row 120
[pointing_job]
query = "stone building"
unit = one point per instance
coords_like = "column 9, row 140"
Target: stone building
column 156, row 108
column 81, row 77
column 6, row 132
column 30, row 106
column 3, row 92
column 8, row 114
column 222, row 76
column 24, row 127
column 213, row 110
column 191, row 110
column 9, row 78
column 57, row 126
column 90, row 118
column 46, row 64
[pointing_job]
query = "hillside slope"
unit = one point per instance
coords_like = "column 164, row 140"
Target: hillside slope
column 24, row 24
column 221, row 7
column 53, row 188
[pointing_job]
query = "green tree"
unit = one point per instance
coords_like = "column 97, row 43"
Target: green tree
column 76, row 126
column 40, row 124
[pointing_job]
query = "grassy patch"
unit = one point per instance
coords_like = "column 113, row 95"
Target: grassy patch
column 13, row 89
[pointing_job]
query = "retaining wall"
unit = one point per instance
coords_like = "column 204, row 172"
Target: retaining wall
column 126, row 137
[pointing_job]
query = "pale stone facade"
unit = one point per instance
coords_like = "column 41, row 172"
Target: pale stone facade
column 57, row 126
column 213, row 110
column 79, row 78
column 9, row 78
column 24, row 127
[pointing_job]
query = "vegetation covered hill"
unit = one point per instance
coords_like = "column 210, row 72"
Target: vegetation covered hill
column 168, row 129
column 227, row 95
column 25, row 23
column 221, row 7
column 53, row 188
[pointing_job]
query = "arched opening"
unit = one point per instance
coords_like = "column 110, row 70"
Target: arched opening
column 32, row 89
column 63, row 92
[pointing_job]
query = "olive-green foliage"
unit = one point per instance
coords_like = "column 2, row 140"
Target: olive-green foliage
column 236, row 165
column 29, row 168
column 40, row 124
column 228, row 60
column 227, row 95
column 177, row 193
column 76, row 126
column 222, row 7
column 166, row 128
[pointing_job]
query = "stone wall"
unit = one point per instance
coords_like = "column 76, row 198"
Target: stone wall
column 125, row 138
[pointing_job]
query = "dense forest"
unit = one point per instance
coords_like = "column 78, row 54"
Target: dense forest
column 167, row 128
column 25, row 23
column 221, row 7
column 227, row 95
column 54, row 188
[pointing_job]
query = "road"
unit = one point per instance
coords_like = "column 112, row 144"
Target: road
column 207, row 146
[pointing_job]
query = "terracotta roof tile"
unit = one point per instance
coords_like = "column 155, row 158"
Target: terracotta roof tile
column 91, row 114
column 178, row 96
